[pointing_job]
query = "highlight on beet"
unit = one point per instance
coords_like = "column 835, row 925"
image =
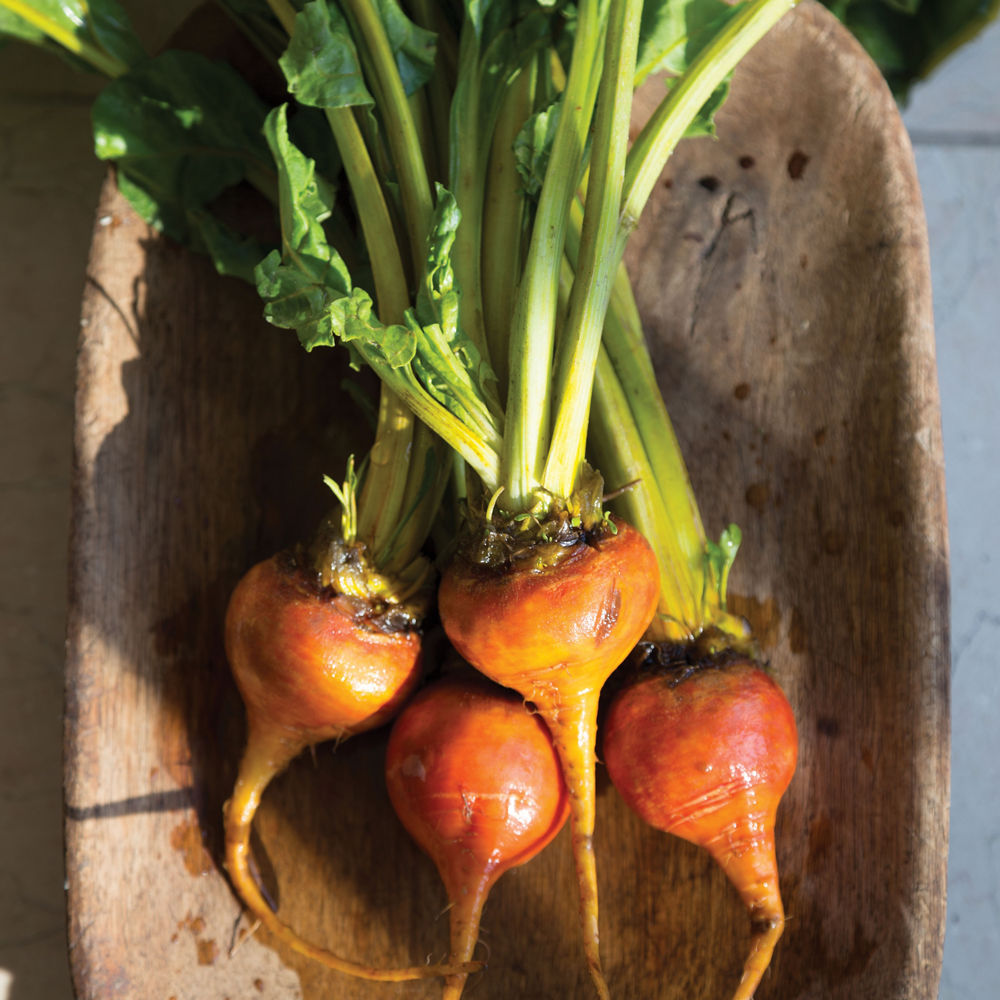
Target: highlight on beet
column 473, row 777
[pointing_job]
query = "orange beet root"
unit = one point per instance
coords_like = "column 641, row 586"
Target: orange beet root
column 707, row 756
column 310, row 667
column 474, row 778
column 308, row 661
column 555, row 634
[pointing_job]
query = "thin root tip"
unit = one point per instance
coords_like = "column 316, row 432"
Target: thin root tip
column 600, row 983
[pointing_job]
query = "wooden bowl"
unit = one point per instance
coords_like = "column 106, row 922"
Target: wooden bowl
column 782, row 271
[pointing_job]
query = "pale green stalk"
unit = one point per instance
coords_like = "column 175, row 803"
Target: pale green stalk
column 383, row 492
column 286, row 13
column 466, row 180
column 619, row 450
column 504, row 222
column 600, row 242
column 533, row 331
column 628, row 405
column 426, row 14
column 427, row 478
column 421, row 113
column 400, row 127
column 476, row 438
column 631, row 440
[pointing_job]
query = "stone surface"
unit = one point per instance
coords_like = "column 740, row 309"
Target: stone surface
column 954, row 120
column 48, row 188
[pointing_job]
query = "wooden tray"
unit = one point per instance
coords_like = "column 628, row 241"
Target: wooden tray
column 783, row 275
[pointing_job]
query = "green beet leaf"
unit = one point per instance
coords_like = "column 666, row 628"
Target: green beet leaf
column 306, row 286
column 533, row 145
column 672, row 33
column 99, row 27
column 447, row 362
column 233, row 253
column 321, row 63
column 181, row 130
column 909, row 38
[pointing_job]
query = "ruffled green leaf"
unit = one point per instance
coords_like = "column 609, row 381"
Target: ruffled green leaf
column 533, row 146
column 307, row 287
column 233, row 253
column 321, row 64
column 671, row 36
column 448, row 363
column 305, row 200
column 704, row 122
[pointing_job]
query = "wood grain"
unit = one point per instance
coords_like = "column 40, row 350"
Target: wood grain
column 782, row 273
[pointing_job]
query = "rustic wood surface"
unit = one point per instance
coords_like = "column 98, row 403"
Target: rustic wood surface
column 782, row 272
